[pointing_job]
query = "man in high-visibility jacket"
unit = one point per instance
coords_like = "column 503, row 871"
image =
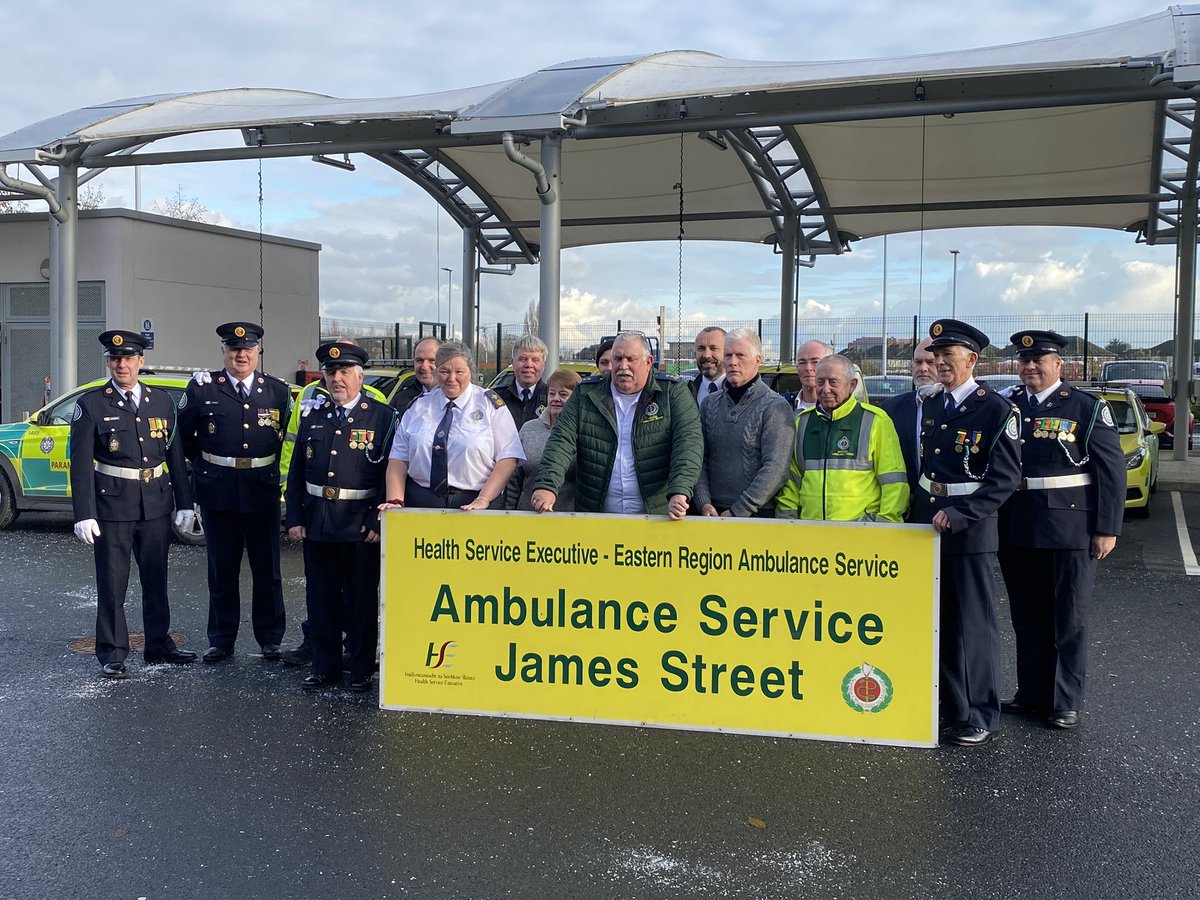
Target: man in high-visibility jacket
column 846, row 461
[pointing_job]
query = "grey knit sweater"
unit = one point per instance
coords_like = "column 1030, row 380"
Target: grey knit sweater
column 747, row 450
column 533, row 435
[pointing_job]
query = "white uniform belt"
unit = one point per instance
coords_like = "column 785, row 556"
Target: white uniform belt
column 939, row 489
column 1056, row 481
column 131, row 474
column 335, row 493
column 239, row 462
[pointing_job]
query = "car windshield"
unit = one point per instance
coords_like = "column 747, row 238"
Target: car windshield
column 381, row 383
column 1124, row 415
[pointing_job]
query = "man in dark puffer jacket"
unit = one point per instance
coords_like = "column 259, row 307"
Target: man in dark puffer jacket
column 635, row 440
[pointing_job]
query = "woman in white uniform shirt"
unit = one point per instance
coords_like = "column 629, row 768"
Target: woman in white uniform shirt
column 449, row 456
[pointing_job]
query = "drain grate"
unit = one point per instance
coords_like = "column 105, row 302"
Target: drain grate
column 137, row 642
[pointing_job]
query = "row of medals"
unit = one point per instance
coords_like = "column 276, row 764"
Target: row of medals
column 1060, row 435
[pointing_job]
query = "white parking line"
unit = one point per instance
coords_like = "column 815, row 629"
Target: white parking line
column 1190, row 566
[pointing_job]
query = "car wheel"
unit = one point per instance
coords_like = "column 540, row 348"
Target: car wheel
column 194, row 535
column 8, row 503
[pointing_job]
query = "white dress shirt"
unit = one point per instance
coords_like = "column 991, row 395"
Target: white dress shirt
column 1040, row 397
column 482, row 431
column 624, row 495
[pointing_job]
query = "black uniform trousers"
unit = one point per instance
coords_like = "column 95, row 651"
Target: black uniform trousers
column 148, row 541
column 1050, row 598
column 227, row 533
column 337, row 571
column 420, row 497
column 970, row 641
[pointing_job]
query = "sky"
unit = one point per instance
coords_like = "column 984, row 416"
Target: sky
column 385, row 241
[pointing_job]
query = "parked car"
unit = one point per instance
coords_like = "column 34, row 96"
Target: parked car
column 1161, row 408
column 1139, row 443
column 998, row 383
column 1136, row 371
column 783, row 378
column 880, row 387
column 35, row 462
column 387, row 379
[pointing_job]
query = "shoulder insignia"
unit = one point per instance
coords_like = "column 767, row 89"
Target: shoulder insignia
column 78, row 412
column 221, row 379
column 1106, row 415
column 497, row 400
column 1012, row 429
column 108, row 390
column 183, row 400
column 981, row 392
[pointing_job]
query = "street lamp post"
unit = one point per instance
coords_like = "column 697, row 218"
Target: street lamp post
column 449, row 298
column 954, row 288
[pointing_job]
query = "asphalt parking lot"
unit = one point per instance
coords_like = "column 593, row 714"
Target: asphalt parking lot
column 229, row 781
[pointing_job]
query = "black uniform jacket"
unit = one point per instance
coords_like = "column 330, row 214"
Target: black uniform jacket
column 334, row 457
column 523, row 412
column 1070, row 433
column 105, row 430
column 977, row 442
column 214, row 420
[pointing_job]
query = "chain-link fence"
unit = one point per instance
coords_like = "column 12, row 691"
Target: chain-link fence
column 876, row 346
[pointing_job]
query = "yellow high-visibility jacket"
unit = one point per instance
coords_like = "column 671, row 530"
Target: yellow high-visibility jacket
column 311, row 390
column 846, row 466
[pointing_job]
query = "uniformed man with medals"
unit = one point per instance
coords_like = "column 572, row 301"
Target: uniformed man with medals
column 127, row 475
column 1055, row 529
column 232, row 421
column 970, row 464
column 335, row 482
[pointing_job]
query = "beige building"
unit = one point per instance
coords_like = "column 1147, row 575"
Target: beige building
column 143, row 272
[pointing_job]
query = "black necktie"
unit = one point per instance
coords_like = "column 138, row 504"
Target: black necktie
column 524, row 395
column 241, row 392
column 949, row 403
column 712, row 387
column 132, row 403
column 341, row 415
column 438, row 470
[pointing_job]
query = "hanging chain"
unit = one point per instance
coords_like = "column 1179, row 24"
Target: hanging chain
column 921, row 256
column 261, row 288
column 679, row 266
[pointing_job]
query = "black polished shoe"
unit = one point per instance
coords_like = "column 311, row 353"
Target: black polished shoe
column 270, row 652
column 1063, row 718
column 1015, row 707
column 300, row 656
column 114, row 670
column 216, row 654
column 359, row 685
column 177, row 657
column 313, row 682
column 969, row 736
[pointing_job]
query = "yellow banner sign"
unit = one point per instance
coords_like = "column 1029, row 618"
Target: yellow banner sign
column 798, row 629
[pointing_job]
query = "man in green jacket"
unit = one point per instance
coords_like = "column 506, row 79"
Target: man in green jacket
column 846, row 463
column 635, row 440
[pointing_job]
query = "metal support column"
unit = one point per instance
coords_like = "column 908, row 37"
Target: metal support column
column 64, row 286
column 550, row 222
column 1186, row 316
column 787, row 291
column 470, row 281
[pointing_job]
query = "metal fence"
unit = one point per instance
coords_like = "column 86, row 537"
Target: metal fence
column 1094, row 339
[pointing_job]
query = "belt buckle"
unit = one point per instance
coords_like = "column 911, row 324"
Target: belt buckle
column 329, row 493
column 937, row 489
column 147, row 474
column 1024, row 485
column 241, row 462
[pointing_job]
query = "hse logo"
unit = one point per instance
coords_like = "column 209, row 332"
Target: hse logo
column 437, row 657
column 867, row 689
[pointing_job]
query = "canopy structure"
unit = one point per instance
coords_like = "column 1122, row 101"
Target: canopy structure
column 1095, row 129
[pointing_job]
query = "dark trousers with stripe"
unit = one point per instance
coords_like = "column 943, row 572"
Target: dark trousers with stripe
column 147, row 541
column 227, row 534
column 1050, row 598
column 970, row 641
column 333, row 569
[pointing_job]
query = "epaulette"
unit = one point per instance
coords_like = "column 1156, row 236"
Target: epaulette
column 497, row 400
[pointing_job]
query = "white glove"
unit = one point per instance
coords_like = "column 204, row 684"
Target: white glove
column 184, row 519
column 925, row 391
column 308, row 404
column 202, row 376
column 87, row 530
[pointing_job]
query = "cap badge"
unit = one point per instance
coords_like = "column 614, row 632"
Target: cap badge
column 1026, row 341
column 334, row 352
column 117, row 340
column 936, row 330
column 239, row 332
